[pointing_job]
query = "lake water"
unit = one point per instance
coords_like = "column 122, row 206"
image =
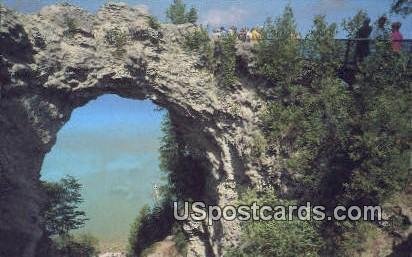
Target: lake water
column 112, row 146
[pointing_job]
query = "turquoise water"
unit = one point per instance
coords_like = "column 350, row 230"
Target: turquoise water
column 112, row 146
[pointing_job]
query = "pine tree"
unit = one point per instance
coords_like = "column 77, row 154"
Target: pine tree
column 192, row 15
column 176, row 12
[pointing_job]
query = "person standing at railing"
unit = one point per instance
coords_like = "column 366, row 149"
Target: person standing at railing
column 362, row 37
column 256, row 36
column 396, row 37
column 379, row 32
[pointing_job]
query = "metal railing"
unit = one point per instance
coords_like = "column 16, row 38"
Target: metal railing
column 349, row 47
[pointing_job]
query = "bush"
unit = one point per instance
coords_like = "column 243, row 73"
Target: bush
column 199, row 41
column 180, row 239
column 71, row 26
column 227, row 46
column 83, row 245
column 153, row 22
column 354, row 236
column 275, row 238
column 259, row 145
column 151, row 225
column 116, row 38
column 321, row 49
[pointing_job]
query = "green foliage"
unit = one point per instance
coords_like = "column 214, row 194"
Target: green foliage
column 259, row 145
column 275, row 238
column 182, row 165
column 71, row 26
column 353, row 237
column 198, row 40
column 382, row 149
column 177, row 14
column 116, row 38
column 351, row 26
column 178, row 162
column 180, row 240
column 355, row 138
column 152, row 224
column 311, row 130
column 153, row 22
column 277, row 55
column 83, row 245
column 402, row 7
column 321, row 48
column 227, row 67
column 331, row 134
column 61, row 212
column 192, row 15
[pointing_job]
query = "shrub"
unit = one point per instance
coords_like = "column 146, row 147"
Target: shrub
column 354, row 235
column 227, row 46
column 180, row 239
column 151, row 225
column 275, row 238
column 197, row 40
column 259, row 145
column 116, row 38
column 83, row 245
column 71, row 26
column 153, row 22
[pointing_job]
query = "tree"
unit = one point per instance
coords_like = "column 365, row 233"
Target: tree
column 351, row 26
column 61, row 211
column 177, row 14
column 321, row 48
column 192, row 15
column 402, row 7
column 277, row 55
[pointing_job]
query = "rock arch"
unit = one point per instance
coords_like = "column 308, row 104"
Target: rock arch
column 49, row 67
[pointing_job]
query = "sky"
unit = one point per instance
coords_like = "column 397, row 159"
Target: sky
column 110, row 145
column 248, row 12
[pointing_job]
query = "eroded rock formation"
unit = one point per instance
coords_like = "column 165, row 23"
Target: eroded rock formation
column 58, row 59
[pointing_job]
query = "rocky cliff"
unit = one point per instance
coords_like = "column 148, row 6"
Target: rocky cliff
column 59, row 59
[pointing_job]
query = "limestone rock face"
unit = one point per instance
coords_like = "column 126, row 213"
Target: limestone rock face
column 60, row 58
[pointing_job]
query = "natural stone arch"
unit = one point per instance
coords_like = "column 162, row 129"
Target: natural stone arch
column 45, row 75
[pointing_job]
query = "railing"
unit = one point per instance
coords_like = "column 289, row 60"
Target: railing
column 349, row 46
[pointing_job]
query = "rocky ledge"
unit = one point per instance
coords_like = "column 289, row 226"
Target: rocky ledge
column 58, row 59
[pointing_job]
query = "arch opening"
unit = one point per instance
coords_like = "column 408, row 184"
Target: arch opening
column 111, row 146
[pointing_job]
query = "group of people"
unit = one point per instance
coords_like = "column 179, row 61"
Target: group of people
column 244, row 34
column 367, row 33
column 364, row 36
